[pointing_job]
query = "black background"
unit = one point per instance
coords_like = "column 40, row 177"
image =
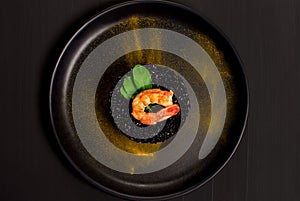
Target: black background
column 265, row 33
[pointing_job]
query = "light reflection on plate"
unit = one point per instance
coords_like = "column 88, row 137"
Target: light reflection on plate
column 93, row 68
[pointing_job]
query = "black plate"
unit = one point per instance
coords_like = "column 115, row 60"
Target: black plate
column 166, row 36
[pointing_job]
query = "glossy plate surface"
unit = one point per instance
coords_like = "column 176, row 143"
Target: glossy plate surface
column 183, row 53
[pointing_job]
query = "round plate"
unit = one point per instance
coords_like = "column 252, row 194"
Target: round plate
column 183, row 53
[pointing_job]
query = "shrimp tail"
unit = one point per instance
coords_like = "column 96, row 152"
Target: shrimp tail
column 163, row 114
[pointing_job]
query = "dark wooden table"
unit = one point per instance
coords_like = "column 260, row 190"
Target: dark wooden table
column 266, row 165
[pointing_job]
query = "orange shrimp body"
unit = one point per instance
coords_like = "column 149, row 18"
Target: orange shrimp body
column 154, row 96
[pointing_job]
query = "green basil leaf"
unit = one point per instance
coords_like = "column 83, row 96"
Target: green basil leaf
column 141, row 77
column 129, row 86
column 124, row 94
column 148, row 108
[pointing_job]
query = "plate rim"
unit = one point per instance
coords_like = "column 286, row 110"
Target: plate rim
column 185, row 190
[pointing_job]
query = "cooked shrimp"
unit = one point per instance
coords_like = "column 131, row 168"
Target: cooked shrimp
column 154, row 96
